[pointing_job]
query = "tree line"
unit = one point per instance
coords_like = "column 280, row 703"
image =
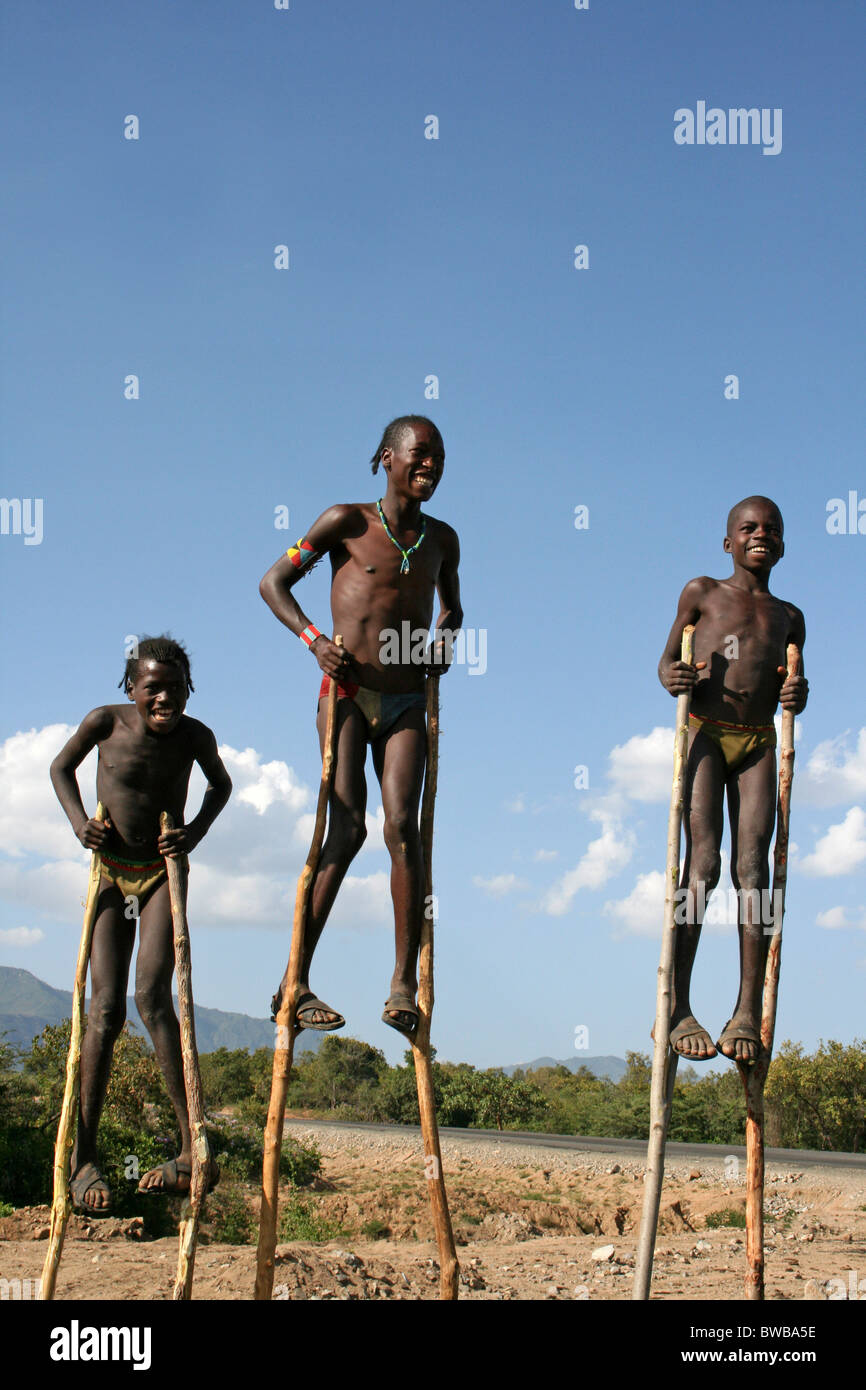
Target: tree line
column 813, row 1101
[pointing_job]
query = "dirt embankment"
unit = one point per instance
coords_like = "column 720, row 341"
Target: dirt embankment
column 531, row 1223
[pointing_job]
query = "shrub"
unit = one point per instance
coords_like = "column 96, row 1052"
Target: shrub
column 229, row 1219
column 301, row 1219
column 241, row 1148
column 26, row 1165
column 726, row 1216
column 124, row 1154
column 375, row 1229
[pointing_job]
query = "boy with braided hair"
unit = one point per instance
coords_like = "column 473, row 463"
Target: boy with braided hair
column 388, row 558
column 146, row 753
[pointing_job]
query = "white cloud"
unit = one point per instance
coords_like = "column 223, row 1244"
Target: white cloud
column 56, row 889
column 244, row 871
column 261, row 784
column 837, row 917
column 642, row 768
column 640, row 914
column 543, row 854
column 517, row 804
column 835, row 772
column 375, row 831
column 21, row 936
column 32, row 820
column 303, row 831
column 603, row 858
column 500, row 885
column 363, row 902
column 221, row 897
column 841, row 850
column 375, row 824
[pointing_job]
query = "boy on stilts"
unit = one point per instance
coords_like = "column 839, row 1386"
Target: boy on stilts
column 741, row 636
column 146, row 754
column 388, row 560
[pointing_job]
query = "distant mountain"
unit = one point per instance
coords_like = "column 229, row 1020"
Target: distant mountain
column 612, row 1067
column 22, row 993
column 27, row 1005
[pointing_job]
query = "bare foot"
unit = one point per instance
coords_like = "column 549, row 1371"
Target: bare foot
column 740, row 1040
column 90, row 1191
column 688, row 1039
column 401, row 1011
column 173, row 1177
column 315, row 1013
column 311, row 1012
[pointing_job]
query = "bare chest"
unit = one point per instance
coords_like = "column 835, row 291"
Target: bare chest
column 408, row 564
column 144, row 764
column 752, row 627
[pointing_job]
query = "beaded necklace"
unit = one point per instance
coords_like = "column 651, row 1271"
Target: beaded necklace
column 404, row 568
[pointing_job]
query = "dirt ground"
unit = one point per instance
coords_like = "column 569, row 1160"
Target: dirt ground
column 531, row 1223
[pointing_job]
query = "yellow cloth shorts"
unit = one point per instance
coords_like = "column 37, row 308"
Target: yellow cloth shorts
column 736, row 741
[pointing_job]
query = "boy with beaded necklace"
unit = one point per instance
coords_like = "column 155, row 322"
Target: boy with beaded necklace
column 388, row 558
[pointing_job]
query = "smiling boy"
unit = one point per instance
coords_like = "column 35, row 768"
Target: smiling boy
column 146, row 753
column 741, row 635
column 388, row 560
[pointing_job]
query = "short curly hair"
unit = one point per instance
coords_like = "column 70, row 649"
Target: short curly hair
column 162, row 648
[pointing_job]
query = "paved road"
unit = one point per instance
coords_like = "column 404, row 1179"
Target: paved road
column 621, row 1148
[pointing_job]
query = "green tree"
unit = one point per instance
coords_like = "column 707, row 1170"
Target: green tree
column 16, row 1091
column 496, row 1101
column 638, row 1073
column 708, row 1108
column 818, row 1101
column 579, row 1102
column 252, row 1104
column 226, row 1076
column 26, row 1147
column 630, row 1108
column 343, row 1073
column 135, row 1083
column 397, row 1095
column 136, row 1128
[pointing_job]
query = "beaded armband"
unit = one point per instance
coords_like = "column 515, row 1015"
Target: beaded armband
column 302, row 553
column 309, row 635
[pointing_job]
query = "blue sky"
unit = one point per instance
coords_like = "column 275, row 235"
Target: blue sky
column 260, row 388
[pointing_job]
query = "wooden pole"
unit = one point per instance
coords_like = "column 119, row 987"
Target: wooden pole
column 754, row 1074
column 177, row 870
column 664, row 1059
column 285, row 1023
column 449, row 1269
column 62, row 1203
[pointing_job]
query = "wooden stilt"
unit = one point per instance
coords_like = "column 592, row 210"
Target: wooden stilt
column 177, row 869
column 285, row 1025
column 754, row 1074
column 449, row 1269
column 62, row 1202
column 664, row 1060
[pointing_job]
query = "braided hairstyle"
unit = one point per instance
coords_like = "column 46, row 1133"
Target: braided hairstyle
column 393, row 433
column 164, row 649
